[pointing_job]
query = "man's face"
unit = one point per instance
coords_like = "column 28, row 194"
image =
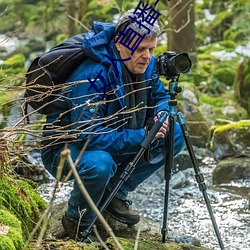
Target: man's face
column 140, row 59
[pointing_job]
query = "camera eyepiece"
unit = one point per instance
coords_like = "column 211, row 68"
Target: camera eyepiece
column 170, row 64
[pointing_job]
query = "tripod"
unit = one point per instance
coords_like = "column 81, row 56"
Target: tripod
column 173, row 90
column 169, row 163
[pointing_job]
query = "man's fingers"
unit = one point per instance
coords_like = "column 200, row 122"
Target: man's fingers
column 159, row 135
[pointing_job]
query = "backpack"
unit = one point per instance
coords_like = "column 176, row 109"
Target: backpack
column 48, row 73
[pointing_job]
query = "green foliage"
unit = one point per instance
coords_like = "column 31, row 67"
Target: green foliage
column 242, row 84
column 12, row 67
column 160, row 49
column 230, row 22
column 224, row 75
column 214, row 101
column 16, row 61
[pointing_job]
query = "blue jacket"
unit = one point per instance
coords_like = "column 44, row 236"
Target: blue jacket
column 90, row 117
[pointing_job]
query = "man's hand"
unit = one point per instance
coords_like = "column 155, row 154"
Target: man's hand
column 164, row 128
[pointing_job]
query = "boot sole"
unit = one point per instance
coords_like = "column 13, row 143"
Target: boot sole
column 121, row 219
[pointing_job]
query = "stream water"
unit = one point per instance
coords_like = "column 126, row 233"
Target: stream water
column 187, row 212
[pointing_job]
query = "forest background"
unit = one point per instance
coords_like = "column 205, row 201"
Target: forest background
column 214, row 33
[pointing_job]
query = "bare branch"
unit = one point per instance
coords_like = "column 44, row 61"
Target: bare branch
column 79, row 22
column 66, row 154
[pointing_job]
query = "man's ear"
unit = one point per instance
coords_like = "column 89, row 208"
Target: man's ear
column 117, row 44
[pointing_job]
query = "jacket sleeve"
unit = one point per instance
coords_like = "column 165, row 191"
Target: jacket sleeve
column 88, row 120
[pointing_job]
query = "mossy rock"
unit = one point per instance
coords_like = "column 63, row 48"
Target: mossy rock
column 150, row 235
column 22, row 200
column 231, row 169
column 10, row 231
column 232, row 139
column 128, row 244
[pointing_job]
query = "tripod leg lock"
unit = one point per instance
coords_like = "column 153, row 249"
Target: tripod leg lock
column 200, row 180
column 127, row 172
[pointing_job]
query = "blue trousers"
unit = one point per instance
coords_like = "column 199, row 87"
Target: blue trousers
column 100, row 170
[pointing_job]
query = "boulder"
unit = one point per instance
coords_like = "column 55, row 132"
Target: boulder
column 232, row 139
column 150, row 235
column 231, row 169
column 197, row 125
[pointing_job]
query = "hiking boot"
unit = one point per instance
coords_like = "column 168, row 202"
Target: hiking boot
column 121, row 211
column 75, row 231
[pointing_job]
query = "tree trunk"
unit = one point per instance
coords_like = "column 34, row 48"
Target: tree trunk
column 83, row 7
column 72, row 13
column 181, row 28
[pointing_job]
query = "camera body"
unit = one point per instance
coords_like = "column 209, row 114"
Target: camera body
column 171, row 65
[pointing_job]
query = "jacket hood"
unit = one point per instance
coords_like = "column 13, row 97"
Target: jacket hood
column 99, row 41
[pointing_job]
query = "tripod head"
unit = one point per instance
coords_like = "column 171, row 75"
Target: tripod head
column 174, row 89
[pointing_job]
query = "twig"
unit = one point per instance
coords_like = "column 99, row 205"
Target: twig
column 99, row 238
column 66, row 154
column 77, row 21
column 137, row 236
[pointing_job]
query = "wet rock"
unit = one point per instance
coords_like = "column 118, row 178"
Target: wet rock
column 150, row 234
column 231, row 169
column 181, row 179
column 231, row 139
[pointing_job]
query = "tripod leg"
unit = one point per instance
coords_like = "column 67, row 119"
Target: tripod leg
column 199, row 177
column 168, row 173
column 129, row 169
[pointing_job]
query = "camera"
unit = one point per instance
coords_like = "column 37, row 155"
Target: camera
column 171, row 65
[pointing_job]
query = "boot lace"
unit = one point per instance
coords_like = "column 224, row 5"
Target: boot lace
column 127, row 203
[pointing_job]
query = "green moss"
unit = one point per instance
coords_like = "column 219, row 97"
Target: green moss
column 224, row 75
column 9, row 219
column 16, row 237
column 236, row 125
column 14, row 234
column 22, row 200
column 6, row 243
column 128, row 244
column 212, row 100
column 228, row 45
column 219, row 102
